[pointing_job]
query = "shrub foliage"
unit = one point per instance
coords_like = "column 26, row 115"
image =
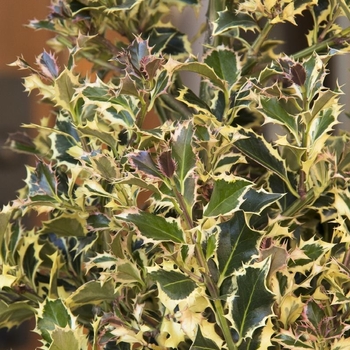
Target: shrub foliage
column 202, row 232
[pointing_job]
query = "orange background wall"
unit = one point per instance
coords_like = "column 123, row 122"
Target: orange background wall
column 15, row 40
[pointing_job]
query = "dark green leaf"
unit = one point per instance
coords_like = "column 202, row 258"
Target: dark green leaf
column 92, row 292
column 323, row 124
column 66, row 137
column 315, row 74
column 238, row 244
column 175, row 284
column 228, row 21
column 183, row 154
column 188, row 97
column 272, row 108
column 14, row 314
column 54, row 313
column 225, row 63
column 154, row 227
column 293, row 342
column 98, row 221
column 204, row 70
column 252, row 303
column 255, row 201
column 226, row 197
column 41, row 181
column 160, row 87
column 252, row 343
column 315, row 313
column 66, row 225
column 124, row 5
column 202, row 343
column 256, row 148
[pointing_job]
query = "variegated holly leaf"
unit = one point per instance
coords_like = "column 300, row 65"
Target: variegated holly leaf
column 143, row 162
column 71, row 338
column 13, row 314
column 226, row 64
column 53, row 314
column 184, row 157
column 66, row 225
column 203, row 343
column 237, row 245
column 229, row 22
column 252, row 300
column 92, row 292
column 259, row 150
column 175, row 284
column 227, row 197
column 153, row 226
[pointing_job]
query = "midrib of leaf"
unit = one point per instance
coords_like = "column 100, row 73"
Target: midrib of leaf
column 250, row 301
column 183, row 157
column 153, row 229
column 174, row 283
column 282, row 175
column 223, row 274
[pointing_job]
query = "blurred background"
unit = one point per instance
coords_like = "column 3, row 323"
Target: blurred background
column 16, row 108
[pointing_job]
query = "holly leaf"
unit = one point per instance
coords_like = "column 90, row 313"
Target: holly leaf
column 227, row 197
column 252, row 302
column 154, row 227
column 237, row 245
column 175, row 284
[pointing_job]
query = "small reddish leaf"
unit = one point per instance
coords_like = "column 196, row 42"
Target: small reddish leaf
column 298, row 74
column 166, row 164
column 142, row 161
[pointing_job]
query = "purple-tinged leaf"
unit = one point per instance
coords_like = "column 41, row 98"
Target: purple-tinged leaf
column 298, row 74
column 143, row 162
column 166, row 164
column 48, row 65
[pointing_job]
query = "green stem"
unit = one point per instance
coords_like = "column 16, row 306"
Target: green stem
column 300, row 203
column 323, row 45
column 214, row 7
column 254, row 49
column 139, row 119
column 345, row 8
column 261, row 38
column 329, row 24
column 187, row 214
column 214, row 293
